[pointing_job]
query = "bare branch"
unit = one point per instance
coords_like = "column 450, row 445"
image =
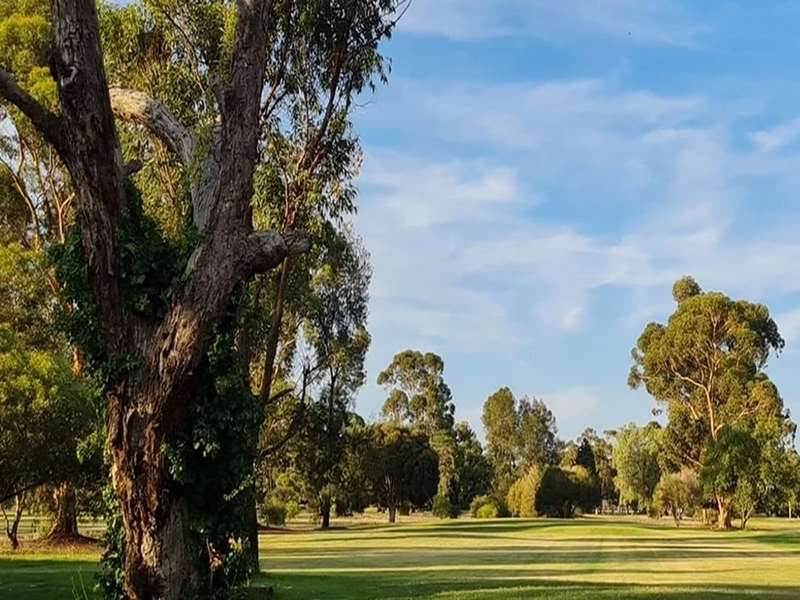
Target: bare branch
column 137, row 107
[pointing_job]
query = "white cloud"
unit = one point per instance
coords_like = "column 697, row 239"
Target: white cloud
column 638, row 22
column 462, row 250
column 571, row 406
column 776, row 138
column 426, row 194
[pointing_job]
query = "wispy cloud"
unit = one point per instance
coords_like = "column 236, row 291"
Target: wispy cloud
column 573, row 407
column 481, row 260
column 778, row 137
column 639, row 22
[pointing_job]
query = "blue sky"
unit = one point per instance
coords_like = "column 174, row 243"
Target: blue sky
column 538, row 173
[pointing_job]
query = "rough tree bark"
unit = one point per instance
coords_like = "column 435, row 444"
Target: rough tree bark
column 65, row 517
column 724, row 514
column 146, row 406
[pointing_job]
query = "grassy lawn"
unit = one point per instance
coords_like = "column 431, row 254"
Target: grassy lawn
column 561, row 560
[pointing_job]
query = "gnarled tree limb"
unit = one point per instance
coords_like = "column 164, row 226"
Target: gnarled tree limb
column 138, row 107
column 265, row 250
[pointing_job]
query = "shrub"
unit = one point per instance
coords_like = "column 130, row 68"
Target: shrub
column 477, row 503
column 487, row 511
column 443, row 508
column 274, row 512
column 292, row 509
column 522, row 494
column 499, row 505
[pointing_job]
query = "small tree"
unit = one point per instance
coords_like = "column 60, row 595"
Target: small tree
column 636, row 460
column 44, row 413
column 472, row 471
column 731, row 471
column 678, row 493
column 401, row 466
column 522, row 495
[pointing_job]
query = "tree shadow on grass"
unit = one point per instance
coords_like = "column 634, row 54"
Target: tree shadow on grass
column 497, row 586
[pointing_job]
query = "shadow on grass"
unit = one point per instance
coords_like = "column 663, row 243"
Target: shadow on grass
column 496, row 586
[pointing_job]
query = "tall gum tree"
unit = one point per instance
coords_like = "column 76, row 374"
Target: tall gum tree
column 159, row 356
column 706, row 365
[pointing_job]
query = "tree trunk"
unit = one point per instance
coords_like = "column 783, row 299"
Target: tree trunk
column 252, row 535
column 65, row 523
column 746, row 517
column 243, row 343
column 392, row 513
column 325, row 509
column 724, row 516
column 274, row 332
column 12, row 527
column 162, row 557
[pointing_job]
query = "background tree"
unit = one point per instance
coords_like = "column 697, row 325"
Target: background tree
column 678, row 494
column 472, row 469
column 563, row 491
column 520, row 434
column 418, row 395
column 401, row 466
column 708, row 361
column 522, row 494
column 29, row 309
column 500, row 423
column 536, row 434
column 45, row 414
column 335, row 327
column 636, row 461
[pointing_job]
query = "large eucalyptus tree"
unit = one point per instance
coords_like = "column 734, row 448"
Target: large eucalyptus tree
column 146, row 330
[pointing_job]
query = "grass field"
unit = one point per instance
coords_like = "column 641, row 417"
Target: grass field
column 584, row 559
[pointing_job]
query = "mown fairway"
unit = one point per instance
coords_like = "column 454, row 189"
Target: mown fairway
column 580, row 559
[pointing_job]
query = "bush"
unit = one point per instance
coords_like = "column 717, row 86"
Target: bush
column 499, row 505
column 522, row 495
column 274, row 512
column 564, row 491
column 443, row 508
column 678, row 494
column 487, row 511
column 292, row 509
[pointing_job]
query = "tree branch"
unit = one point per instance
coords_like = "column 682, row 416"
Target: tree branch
column 137, row 107
column 47, row 123
column 265, row 250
